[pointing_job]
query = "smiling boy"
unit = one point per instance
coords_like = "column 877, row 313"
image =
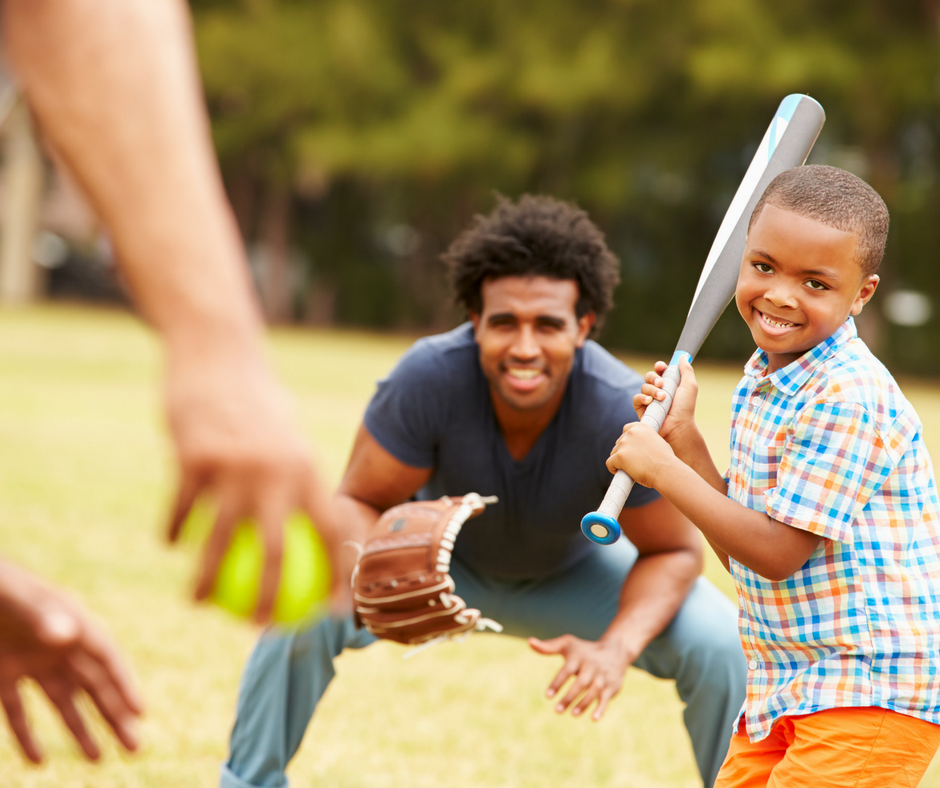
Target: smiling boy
column 828, row 516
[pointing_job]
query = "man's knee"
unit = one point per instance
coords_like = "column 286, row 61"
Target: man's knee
column 706, row 636
column 281, row 659
column 286, row 676
column 329, row 637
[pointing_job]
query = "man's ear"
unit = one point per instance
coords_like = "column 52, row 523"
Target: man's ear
column 475, row 319
column 865, row 292
column 585, row 324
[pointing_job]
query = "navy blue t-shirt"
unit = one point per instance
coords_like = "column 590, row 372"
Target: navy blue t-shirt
column 434, row 411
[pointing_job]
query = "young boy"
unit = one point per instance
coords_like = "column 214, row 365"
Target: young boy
column 828, row 516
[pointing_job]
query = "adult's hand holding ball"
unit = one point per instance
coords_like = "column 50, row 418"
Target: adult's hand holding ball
column 303, row 594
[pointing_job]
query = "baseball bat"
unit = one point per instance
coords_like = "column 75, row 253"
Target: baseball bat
column 786, row 143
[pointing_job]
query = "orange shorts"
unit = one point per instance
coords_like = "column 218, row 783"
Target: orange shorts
column 863, row 747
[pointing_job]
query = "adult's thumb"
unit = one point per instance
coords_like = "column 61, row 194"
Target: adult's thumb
column 553, row 646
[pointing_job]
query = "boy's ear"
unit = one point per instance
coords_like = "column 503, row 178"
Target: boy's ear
column 865, row 292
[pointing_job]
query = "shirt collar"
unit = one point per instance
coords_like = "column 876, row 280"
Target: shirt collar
column 790, row 378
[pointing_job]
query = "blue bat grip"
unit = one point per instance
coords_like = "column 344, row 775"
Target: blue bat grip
column 601, row 526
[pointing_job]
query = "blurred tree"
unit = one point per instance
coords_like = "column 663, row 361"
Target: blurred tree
column 369, row 132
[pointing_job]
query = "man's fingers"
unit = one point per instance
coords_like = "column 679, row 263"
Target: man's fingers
column 553, row 646
column 16, row 716
column 216, row 545
column 592, row 694
column 581, row 683
column 271, row 523
column 185, row 498
column 560, row 646
column 566, row 672
column 61, row 694
column 606, row 694
column 103, row 683
column 94, row 653
column 584, row 676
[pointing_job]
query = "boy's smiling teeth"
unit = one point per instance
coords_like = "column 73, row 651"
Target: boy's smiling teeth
column 524, row 373
column 777, row 323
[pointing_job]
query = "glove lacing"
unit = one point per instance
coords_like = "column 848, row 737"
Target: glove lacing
column 470, row 502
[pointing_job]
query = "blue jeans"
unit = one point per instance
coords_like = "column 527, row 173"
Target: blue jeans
column 287, row 674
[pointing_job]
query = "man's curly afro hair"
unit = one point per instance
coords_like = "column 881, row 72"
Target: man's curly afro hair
column 538, row 236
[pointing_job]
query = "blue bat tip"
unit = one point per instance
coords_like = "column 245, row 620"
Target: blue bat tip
column 600, row 528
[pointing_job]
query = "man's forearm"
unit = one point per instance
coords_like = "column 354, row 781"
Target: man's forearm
column 355, row 516
column 651, row 596
column 115, row 88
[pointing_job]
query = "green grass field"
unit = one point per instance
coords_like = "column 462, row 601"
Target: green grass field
column 85, row 476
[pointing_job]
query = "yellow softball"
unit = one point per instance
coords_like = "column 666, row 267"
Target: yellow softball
column 305, row 570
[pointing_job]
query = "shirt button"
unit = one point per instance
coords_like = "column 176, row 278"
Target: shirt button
column 752, row 664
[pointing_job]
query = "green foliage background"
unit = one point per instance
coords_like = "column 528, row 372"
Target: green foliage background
column 368, row 132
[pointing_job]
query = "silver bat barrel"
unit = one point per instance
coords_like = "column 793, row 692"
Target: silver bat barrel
column 786, row 143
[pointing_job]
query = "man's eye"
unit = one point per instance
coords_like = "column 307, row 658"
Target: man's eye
column 814, row 284
column 764, row 268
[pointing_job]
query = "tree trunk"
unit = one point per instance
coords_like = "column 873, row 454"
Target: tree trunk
column 242, row 190
column 276, row 278
column 20, row 277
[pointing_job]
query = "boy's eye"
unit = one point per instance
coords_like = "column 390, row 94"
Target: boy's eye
column 764, row 268
column 814, row 284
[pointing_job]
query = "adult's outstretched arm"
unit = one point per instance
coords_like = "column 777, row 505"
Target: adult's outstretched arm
column 115, row 89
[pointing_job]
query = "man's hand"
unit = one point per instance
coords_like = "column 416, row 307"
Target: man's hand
column 597, row 668
column 46, row 636
column 236, row 442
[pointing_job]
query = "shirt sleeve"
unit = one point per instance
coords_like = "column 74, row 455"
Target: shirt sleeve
column 832, row 464
column 407, row 408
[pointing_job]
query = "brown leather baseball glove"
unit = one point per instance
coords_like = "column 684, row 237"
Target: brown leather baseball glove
column 402, row 588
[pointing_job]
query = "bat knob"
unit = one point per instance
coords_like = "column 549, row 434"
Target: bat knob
column 600, row 528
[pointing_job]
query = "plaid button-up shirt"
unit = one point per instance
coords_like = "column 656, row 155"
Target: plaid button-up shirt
column 830, row 445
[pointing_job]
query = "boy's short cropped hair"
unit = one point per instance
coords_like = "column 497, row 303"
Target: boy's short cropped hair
column 837, row 199
column 537, row 236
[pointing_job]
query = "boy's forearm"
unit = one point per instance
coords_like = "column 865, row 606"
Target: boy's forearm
column 722, row 555
column 690, row 447
column 770, row 548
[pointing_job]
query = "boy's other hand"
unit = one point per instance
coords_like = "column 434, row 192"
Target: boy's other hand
column 681, row 416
